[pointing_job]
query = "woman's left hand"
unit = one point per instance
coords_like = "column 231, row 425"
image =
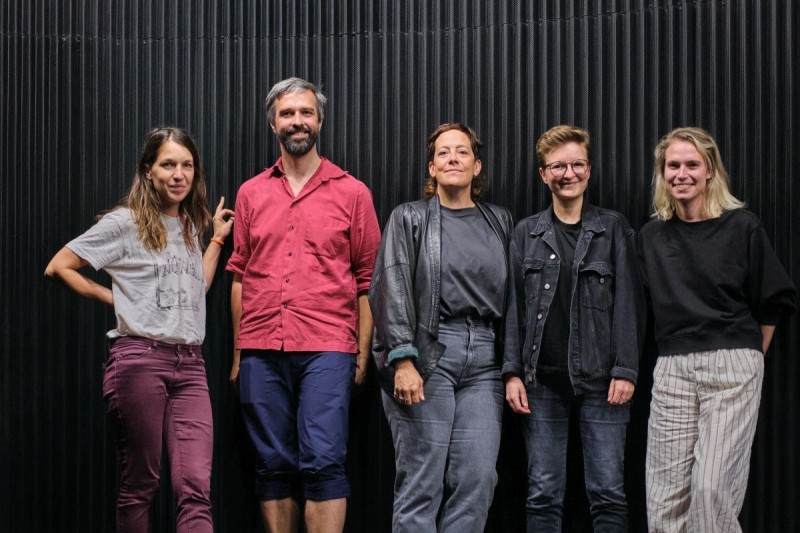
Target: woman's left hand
column 223, row 220
column 620, row 391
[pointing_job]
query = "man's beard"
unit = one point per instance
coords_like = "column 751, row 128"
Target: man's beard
column 298, row 147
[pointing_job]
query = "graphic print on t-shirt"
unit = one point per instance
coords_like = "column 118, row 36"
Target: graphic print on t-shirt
column 175, row 278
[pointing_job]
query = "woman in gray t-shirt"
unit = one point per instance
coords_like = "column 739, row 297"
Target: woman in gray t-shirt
column 154, row 382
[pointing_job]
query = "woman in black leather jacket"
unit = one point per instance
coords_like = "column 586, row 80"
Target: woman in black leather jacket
column 438, row 292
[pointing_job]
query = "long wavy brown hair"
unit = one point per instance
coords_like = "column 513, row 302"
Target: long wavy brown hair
column 145, row 204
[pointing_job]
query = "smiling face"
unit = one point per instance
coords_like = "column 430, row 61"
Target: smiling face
column 454, row 165
column 172, row 174
column 686, row 177
column 297, row 123
column 569, row 186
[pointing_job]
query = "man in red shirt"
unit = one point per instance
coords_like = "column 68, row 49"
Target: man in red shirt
column 305, row 240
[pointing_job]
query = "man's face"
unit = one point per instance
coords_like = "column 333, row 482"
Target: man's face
column 297, row 123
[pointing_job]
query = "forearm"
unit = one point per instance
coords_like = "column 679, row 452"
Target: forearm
column 222, row 222
column 84, row 286
column 210, row 262
column 767, row 332
column 236, row 315
column 365, row 328
column 64, row 267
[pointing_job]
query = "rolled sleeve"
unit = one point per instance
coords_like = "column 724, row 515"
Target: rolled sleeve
column 365, row 238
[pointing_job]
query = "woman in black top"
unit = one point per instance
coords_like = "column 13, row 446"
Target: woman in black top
column 717, row 291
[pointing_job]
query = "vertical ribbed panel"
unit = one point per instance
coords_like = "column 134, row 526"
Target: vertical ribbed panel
column 82, row 80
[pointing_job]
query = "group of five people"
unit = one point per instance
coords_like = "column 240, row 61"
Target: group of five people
column 468, row 312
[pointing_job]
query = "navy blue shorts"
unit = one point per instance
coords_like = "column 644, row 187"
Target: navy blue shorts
column 295, row 407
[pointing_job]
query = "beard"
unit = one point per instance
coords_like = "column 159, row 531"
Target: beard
column 298, row 147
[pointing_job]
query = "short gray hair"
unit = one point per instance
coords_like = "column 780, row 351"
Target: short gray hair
column 294, row 86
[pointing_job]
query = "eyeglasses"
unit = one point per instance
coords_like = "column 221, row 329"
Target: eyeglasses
column 559, row 168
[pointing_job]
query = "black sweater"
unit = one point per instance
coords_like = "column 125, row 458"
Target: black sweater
column 712, row 283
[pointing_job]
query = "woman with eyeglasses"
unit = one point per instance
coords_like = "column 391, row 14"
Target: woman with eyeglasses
column 717, row 291
column 574, row 329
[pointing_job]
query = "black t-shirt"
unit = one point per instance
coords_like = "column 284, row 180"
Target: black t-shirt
column 555, row 337
column 473, row 277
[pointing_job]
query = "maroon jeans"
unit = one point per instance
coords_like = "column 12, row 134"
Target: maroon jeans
column 157, row 392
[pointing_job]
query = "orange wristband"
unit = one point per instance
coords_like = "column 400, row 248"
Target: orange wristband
column 218, row 241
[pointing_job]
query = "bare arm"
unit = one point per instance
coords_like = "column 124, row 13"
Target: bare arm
column 64, row 267
column 236, row 316
column 222, row 229
column 766, row 337
column 364, row 338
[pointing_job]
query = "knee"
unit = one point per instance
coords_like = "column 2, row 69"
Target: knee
column 545, row 493
column 196, row 485
column 708, row 491
column 137, row 490
column 326, row 483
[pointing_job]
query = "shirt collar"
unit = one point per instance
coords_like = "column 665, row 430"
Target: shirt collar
column 325, row 171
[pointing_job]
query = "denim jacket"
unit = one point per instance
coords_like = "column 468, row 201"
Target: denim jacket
column 405, row 291
column 606, row 313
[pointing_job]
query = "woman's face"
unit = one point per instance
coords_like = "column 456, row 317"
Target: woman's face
column 566, row 172
column 172, row 174
column 454, row 164
column 686, row 175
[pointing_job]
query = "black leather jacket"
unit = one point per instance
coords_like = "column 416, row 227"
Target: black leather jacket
column 607, row 313
column 405, row 291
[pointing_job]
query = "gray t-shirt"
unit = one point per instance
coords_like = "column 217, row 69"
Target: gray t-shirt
column 474, row 272
column 157, row 294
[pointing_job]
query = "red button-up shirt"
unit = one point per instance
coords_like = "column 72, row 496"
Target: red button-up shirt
column 303, row 259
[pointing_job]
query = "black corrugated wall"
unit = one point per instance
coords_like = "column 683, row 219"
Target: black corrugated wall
column 82, row 80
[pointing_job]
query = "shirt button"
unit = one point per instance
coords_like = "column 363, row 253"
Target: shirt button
column 552, row 256
column 602, row 280
column 291, row 226
column 285, row 306
column 539, row 316
column 546, row 285
column 287, row 280
column 290, row 254
column 534, row 347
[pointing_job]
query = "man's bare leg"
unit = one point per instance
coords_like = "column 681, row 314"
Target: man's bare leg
column 280, row 516
column 326, row 516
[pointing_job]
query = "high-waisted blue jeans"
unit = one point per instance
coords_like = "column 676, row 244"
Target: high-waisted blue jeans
column 446, row 446
column 157, row 392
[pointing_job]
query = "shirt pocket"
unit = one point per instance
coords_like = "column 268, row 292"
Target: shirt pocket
column 327, row 237
column 597, row 285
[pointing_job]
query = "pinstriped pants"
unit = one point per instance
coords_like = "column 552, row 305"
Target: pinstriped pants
column 702, row 422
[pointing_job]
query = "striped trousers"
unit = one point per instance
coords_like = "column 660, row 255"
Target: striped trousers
column 702, row 422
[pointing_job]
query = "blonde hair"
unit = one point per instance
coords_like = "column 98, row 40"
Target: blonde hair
column 718, row 197
column 145, row 204
column 478, row 182
column 558, row 136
